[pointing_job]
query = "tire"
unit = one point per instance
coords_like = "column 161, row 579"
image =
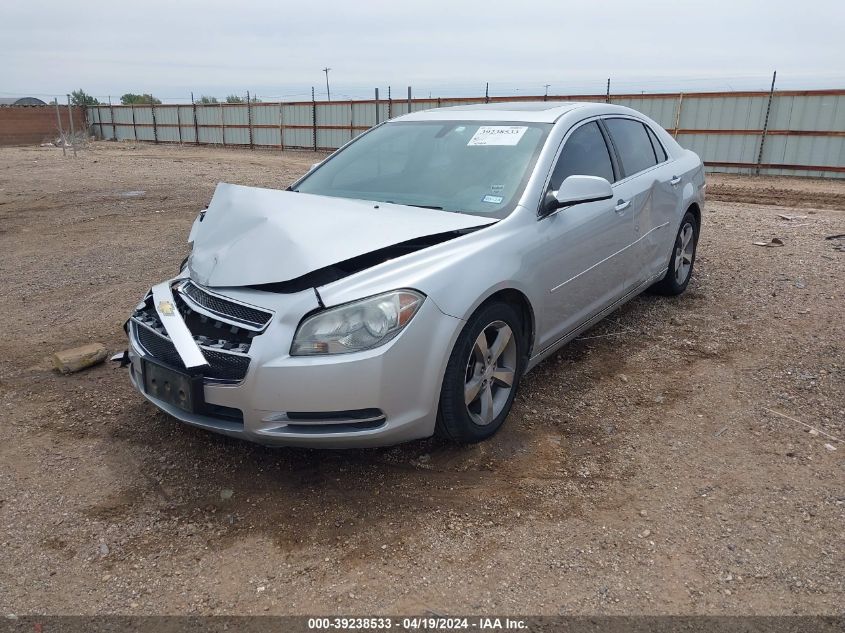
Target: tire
column 678, row 274
column 469, row 367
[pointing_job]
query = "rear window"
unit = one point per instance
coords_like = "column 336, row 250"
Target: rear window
column 632, row 145
column 658, row 146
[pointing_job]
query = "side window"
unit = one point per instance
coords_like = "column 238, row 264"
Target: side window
column 657, row 145
column 585, row 154
column 632, row 145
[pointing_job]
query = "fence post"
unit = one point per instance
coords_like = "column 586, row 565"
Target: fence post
column 134, row 125
column 607, row 96
column 72, row 131
column 100, row 121
column 179, row 123
column 61, row 131
column 487, row 92
column 765, row 125
column 678, row 115
column 249, row 119
column 389, row 104
column 113, row 124
column 196, row 124
column 314, row 118
column 282, row 125
column 377, row 113
column 155, row 125
column 351, row 120
column 409, row 99
column 222, row 126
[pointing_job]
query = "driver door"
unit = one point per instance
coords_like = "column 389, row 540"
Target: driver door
column 581, row 261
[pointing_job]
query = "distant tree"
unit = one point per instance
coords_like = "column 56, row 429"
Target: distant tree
column 255, row 99
column 234, row 99
column 205, row 99
column 145, row 99
column 81, row 98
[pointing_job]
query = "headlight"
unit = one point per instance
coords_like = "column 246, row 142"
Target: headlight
column 356, row 326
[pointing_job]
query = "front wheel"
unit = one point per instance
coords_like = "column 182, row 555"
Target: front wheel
column 482, row 375
column 679, row 270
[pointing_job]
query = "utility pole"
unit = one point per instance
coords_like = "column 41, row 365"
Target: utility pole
column 328, row 92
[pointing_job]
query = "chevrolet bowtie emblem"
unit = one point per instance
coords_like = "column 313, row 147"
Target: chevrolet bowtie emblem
column 166, row 308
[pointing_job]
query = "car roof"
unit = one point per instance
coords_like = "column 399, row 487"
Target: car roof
column 517, row 111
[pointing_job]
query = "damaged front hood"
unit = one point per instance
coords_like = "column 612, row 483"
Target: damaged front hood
column 251, row 236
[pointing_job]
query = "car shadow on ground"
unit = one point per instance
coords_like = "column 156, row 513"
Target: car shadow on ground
column 540, row 462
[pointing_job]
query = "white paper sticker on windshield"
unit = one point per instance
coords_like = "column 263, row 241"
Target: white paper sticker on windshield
column 497, row 135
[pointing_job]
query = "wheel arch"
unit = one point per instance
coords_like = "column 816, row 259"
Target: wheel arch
column 518, row 299
column 695, row 209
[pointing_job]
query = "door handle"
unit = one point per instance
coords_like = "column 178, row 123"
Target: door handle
column 621, row 205
column 675, row 180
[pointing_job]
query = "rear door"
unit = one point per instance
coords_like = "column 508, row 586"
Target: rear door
column 667, row 199
column 580, row 258
column 646, row 191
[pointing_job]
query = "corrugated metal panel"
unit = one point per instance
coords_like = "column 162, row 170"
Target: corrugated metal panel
column 808, row 113
column 298, row 138
column 100, row 120
column 210, row 122
column 265, row 114
column 266, row 136
column 661, row 110
column 186, row 118
column 728, row 148
column 804, row 150
column 364, row 114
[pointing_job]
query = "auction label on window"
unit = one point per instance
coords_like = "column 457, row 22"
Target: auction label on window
column 497, row 135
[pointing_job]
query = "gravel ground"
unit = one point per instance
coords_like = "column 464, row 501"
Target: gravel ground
column 660, row 464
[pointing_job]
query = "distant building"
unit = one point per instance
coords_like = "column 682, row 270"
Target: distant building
column 20, row 101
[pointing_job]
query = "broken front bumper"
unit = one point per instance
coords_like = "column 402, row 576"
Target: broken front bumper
column 252, row 388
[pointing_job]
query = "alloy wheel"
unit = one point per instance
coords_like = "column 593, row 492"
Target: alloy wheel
column 684, row 251
column 490, row 372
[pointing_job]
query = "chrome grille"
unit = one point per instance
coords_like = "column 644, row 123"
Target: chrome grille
column 224, row 307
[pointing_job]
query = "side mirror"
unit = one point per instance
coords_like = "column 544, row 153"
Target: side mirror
column 577, row 190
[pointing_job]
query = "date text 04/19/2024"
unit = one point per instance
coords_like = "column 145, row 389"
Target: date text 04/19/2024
column 421, row 623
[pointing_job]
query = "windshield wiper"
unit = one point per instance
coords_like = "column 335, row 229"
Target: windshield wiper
column 426, row 206
column 419, row 206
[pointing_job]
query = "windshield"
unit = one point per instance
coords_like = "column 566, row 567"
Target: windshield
column 476, row 167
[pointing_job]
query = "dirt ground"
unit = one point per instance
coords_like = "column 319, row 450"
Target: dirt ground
column 644, row 469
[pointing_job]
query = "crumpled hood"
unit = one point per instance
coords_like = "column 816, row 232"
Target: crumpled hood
column 251, row 236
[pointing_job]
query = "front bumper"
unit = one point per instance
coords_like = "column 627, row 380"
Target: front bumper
column 378, row 397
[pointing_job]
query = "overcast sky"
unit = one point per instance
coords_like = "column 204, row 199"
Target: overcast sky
column 277, row 49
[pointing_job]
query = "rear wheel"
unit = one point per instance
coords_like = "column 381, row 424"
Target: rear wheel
column 482, row 375
column 681, row 262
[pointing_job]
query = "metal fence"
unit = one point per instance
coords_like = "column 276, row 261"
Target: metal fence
column 796, row 133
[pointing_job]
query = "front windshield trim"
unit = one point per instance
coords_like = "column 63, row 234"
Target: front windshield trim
column 435, row 202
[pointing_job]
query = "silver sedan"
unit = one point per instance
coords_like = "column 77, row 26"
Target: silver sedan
column 404, row 285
